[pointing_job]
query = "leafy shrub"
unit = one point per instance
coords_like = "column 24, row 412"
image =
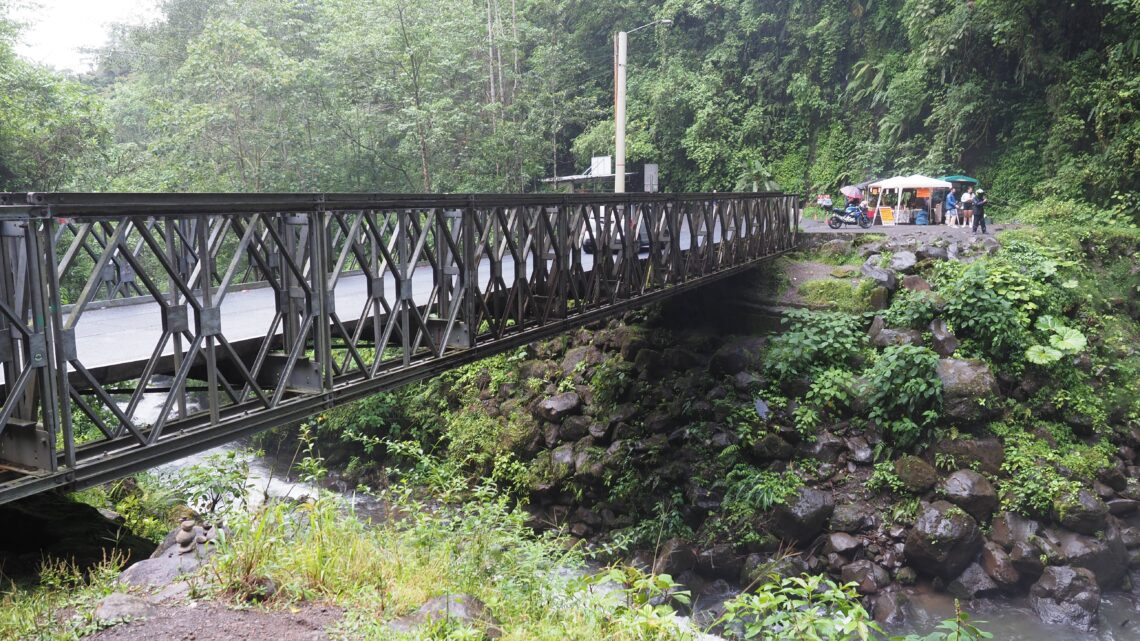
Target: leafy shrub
column 978, row 312
column 612, row 380
column 801, row 607
column 1040, row 470
column 830, row 395
column 218, row 485
column 1059, row 341
column 901, row 386
column 813, row 341
column 645, row 597
column 911, row 309
column 750, row 490
column 884, row 477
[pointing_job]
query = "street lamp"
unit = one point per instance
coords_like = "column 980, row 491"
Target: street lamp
column 620, row 46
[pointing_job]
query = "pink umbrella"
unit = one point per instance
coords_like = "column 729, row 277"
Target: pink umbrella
column 851, row 191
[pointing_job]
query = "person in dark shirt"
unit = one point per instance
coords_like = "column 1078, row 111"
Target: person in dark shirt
column 979, row 211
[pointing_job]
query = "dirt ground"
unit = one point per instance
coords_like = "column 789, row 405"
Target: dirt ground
column 207, row 621
column 919, row 232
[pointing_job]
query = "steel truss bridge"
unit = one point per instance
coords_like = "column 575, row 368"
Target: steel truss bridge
column 136, row 329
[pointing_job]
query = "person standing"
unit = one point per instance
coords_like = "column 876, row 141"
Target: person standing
column 980, row 211
column 951, row 207
column 967, row 206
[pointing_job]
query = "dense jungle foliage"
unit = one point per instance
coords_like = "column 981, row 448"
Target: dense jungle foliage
column 1037, row 98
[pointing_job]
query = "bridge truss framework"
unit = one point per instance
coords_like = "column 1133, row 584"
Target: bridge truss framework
column 362, row 293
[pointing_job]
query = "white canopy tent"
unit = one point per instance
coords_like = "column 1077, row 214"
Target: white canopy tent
column 900, row 184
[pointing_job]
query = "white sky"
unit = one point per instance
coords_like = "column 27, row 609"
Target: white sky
column 55, row 30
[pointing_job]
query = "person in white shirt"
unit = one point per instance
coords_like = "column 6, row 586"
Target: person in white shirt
column 967, row 206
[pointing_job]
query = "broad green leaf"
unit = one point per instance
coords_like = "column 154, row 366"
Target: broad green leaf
column 1068, row 340
column 1042, row 355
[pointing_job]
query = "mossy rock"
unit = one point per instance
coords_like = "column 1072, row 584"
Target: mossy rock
column 1081, row 511
column 916, row 474
column 548, row 470
column 853, row 296
column 845, row 271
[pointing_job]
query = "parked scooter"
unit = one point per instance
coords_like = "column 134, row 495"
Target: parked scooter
column 853, row 215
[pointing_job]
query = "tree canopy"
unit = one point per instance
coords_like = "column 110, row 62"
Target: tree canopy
column 1037, row 98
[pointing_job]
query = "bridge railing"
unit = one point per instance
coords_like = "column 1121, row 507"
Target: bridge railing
column 136, row 328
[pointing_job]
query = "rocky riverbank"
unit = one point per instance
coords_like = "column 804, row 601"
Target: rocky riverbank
column 638, row 435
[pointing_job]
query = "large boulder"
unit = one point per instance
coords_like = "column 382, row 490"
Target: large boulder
column 842, row 543
column 932, row 252
column 1010, row 528
column 852, row 517
column 118, row 607
column 999, row 567
column 942, row 340
column 969, row 390
column 916, row 475
column 556, row 408
column 162, row 571
column 916, row 283
column 884, row 277
column 1081, row 511
column 837, row 247
column 944, row 540
column 985, row 455
column 803, row 516
column 458, row 609
column 903, row 261
column 1066, row 596
column 574, row 427
column 674, row 557
column 972, row 492
column 1105, row 556
column 738, row 355
column 722, row 561
column 650, row 364
column 578, row 358
column 888, row 607
column 972, row 583
column 869, row 577
column 631, row 339
column 771, row 447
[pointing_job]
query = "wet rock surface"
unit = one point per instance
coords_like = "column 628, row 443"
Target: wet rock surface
column 802, row 518
column 868, row 577
column 1066, row 596
column 1082, row 511
column 969, row 390
column 972, row 583
column 970, row 491
column 943, row 541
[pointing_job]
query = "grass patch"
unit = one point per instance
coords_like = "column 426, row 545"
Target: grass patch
column 380, row 572
column 842, row 295
column 61, row 607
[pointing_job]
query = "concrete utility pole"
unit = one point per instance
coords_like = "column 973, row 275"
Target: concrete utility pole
column 621, row 46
